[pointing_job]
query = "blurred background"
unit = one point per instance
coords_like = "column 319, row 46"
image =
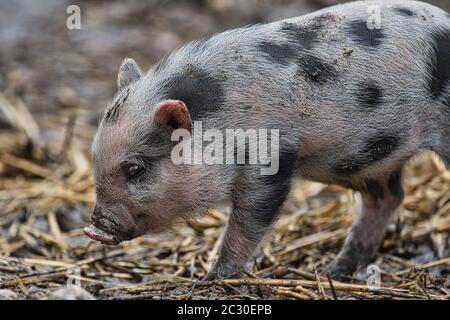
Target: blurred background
column 54, row 84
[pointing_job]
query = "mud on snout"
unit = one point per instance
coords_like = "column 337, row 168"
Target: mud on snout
column 111, row 229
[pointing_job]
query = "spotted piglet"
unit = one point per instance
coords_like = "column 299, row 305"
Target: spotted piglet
column 354, row 91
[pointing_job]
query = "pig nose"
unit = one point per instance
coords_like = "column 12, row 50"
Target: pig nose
column 98, row 218
column 97, row 211
column 96, row 231
column 96, row 215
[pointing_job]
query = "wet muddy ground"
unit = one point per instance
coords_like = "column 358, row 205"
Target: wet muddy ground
column 54, row 84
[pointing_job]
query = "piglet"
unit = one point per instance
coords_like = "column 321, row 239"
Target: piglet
column 350, row 92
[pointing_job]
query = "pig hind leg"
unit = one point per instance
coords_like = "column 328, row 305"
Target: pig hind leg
column 381, row 199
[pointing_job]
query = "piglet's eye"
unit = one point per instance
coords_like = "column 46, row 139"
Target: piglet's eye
column 133, row 171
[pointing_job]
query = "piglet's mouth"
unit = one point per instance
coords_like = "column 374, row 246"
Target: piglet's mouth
column 99, row 235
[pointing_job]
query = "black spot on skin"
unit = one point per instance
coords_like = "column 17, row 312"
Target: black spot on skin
column 279, row 184
column 299, row 38
column 395, row 184
column 439, row 63
column 305, row 38
column 359, row 32
column 404, row 12
column 375, row 149
column 200, row 92
column 283, row 53
column 259, row 197
column 369, row 95
column 315, row 69
column 379, row 147
column 374, row 188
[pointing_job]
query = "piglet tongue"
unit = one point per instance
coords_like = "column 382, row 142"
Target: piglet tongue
column 100, row 235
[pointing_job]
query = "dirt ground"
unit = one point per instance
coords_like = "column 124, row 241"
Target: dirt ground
column 54, row 84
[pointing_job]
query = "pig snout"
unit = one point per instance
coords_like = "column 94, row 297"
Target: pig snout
column 102, row 229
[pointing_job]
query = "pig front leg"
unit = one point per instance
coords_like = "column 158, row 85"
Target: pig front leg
column 380, row 200
column 256, row 201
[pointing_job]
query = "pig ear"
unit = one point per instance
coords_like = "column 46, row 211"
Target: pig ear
column 129, row 72
column 173, row 114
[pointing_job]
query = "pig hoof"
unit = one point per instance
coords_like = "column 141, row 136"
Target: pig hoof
column 211, row 276
column 338, row 271
column 222, row 272
column 216, row 275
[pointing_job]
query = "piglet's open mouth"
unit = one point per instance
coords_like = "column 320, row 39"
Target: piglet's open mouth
column 99, row 235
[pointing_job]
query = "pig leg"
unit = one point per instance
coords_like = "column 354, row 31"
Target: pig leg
column 380, row 200
column 256, row 202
